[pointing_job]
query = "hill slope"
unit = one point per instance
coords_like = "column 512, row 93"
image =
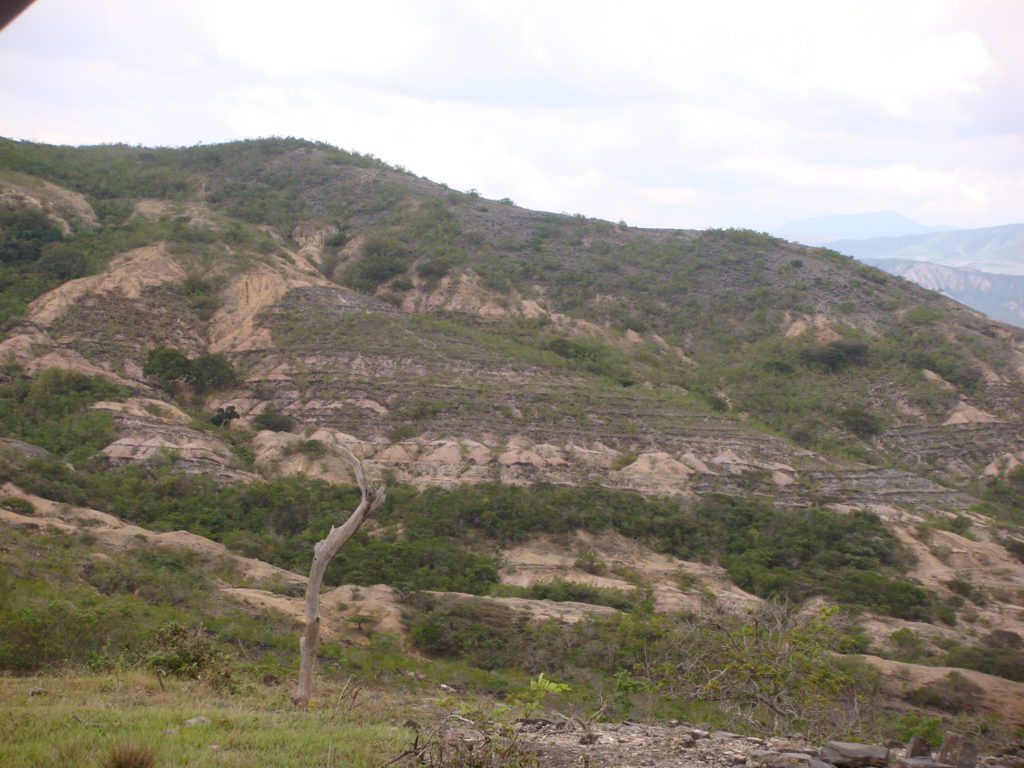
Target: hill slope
column 455, row 342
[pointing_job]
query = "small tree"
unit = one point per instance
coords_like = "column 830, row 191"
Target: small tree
column 212, row 372
column 774, row 667
column 167, row 365
column 323, row 551
column 224, row 416
column 274, row 420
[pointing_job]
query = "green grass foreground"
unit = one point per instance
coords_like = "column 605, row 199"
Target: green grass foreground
column 81, row 720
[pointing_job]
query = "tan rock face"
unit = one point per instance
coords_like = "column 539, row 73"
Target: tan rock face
column 233, row 327
column 153, row 431
column 462, row 293
column 936, row 379
column 659, row 463
column 147, row 408
column 62, row 205
column 128, row 275
column 442, row 452
column 965, row 413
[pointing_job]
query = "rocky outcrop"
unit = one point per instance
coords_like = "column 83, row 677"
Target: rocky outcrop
column 143, row 437
column 845, row 754
column 563, row 742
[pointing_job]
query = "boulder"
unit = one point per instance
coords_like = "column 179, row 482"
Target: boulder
column 846, row 754
column 920, row 762
column 917, row 747
column 958, row 751
column 770, row 759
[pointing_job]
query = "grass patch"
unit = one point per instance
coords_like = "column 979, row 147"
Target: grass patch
column 87, row 720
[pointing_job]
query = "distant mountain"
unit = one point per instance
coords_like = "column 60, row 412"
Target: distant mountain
column 992, row 249
column 998, row 296
column 824, row 230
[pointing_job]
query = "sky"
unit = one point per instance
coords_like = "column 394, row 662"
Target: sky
column 659, row 113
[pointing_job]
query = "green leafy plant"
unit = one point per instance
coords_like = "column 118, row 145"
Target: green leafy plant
column 187, row 652
column 274, row 420
column 18, row 504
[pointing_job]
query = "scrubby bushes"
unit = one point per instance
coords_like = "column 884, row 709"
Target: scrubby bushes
column 62, row 604
column 772, row 667
column 50, row 410
column 485, row 633
column 835, row 355
column 433, row 539
column 562, row 591
column 190, row 653
column 770, row 551
column 205, row 373
column 381, row 258
column 274, row 420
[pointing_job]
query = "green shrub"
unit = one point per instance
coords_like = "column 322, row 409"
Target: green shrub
column 928, row 727
column 964, row 588
column 314, row 449
column 562, row 591
column 860, row 422
column 50, row 410
column 381, row 258
column 274, row 420
column 588, row 561
column 23, row 233
column 42, row 625
column 187, row 652
column 167, row 365
column 910, row 645
column 416, row 563
column 1004, row 662
column 835, row 355
column 211, row 372
column 953, row 693
column 481, row 631
column 18, row 505
column 205, row 373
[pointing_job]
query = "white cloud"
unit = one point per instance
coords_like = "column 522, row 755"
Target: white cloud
column 661, row 113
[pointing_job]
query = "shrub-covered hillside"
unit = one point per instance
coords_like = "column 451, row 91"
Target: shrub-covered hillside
column 563, row 408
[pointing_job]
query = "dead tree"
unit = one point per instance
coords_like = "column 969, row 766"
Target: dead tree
column 322, row 553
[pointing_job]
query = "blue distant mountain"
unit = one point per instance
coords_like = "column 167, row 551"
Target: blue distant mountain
column 990, row 249
column 824, row 230
column 997, row 295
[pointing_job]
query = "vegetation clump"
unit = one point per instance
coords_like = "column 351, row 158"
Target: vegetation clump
column 203, row 374
column 273, row 419
column 50, row 410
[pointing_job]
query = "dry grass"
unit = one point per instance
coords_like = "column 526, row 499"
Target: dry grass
column 130, row 755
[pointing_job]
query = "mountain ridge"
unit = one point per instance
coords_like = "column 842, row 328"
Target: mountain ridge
column 824, row 230
column 998, row 295
column 990, row 249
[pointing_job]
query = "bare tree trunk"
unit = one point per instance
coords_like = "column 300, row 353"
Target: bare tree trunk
column 322, row 553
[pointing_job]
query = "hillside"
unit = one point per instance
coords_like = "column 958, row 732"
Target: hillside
column 565, row 409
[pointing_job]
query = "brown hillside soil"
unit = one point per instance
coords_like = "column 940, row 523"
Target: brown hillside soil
column 998, row 695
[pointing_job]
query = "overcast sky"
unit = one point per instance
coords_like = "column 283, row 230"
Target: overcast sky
column 676, row 114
